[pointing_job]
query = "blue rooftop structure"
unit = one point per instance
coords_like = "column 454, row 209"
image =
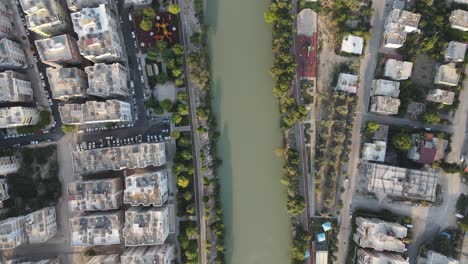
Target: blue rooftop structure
column 326, row 226
column 321, row 237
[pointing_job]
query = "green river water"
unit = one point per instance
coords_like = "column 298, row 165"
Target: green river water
column 257, row 228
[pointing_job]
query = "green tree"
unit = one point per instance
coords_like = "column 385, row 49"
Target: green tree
column 149, row 13
column 186, row 155
column 166, row 104
column 67, row 129
column 178, row 49
column 179, row 82
column 174, row 9
column 188, row 196
column 176, row 118
column 372, row 127
column 175, row 134
column 183, row 181
column 182, row 109
column 402, row 141
column 146, row 25
column 162, row 78
column 431, row 118
column 182, row 96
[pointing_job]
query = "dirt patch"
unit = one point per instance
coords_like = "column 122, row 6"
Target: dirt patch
column 424, row 70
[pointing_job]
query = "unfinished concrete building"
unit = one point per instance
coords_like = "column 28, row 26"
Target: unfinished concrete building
column 96, row 229
column 12, row 55
column 15, row 88
column 385, row 88
column 459, row 20
column 455, row 51
column 162, row 254
column 66, row 83
column 146, row 226
column 117, row 158
column 147, row 189
column 95, row 195
column 347, row 83
column 447, row 75
column 437, row 258
column 400, row 183
column 4, row 195
column 41, row 225
column 379, row 235
column 398, row 70
column 107, row 80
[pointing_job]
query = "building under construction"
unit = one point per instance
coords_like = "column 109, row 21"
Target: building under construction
column 400, row 183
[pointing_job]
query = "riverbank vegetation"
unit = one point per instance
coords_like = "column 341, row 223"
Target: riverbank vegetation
column 280, row 16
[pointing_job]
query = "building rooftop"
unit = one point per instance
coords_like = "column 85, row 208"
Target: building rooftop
column 56, row 48
column 441, row 96
column 455, row 51
column 400, row 183
column 94, row 195
column 385, row 105
column 459, row 19
column 14, row 87
column 12, row 233
column 394, row 35
column 8, row 164
column 368, row 256
column 153, row 254
column 107, row 80
column 96, row 112
column 404, row 18
column 379, row 235
column 4, row 195
column 374, row 151
column 67, row 82
column 39, row 12
column 15, row 116
column 347, row 83
column 398, row 70
column 55, row 260
column 41, row 225
column 426, row 148
column 75, row 5
column 437, row 258
column 96, row 229
column 352, row 44
column 11, row 54
column 146, row 226
column 147, row 189
column 306, row 20
column 385, row 88
column 447, row 75
column 104, row 259
column 96, row 29
column 116, row 158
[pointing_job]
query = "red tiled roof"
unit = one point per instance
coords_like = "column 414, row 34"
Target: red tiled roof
column 427, row 155
column 306, row 58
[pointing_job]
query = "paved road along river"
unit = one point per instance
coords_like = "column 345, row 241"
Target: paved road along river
column 257, row 228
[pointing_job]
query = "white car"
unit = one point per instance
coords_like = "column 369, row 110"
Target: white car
column 130, row 17
column 133, row 35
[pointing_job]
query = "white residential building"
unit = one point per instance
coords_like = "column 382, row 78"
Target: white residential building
column 96, row 229
column 117, row 158
column 107, row 80
column 398, row 70
column 455, row 51
column 92, row 112
column 147, row 189
column 12, row 55
column 162, row 254
column 4, row 195
column 437, row 258
column 459, row 19
column 352, row 44
column 59, row 51
column 441, row 96
column 375, row 151
column 46, row 17
column 17, row 116
column 379, row 235
column 97, row 30
column 8, row 165
column 77, row 5
column 66, row 83
column 146, row 226
column 41, row 225
column 385, row 88
column 366, row 256
column 347, row 83
column 403, row 18
column 385, row 105
column 12, row 233
column 15, row 88
column 6, row 28
column 95, row 195
column 447, row 75
column 394, row 36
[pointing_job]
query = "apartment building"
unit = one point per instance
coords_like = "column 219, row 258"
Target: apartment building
column 17, row 116
column 137, row 2
column 394, row 36
column 426, row 148
column 15, row 88
column 4, row 195
column 440, row 96
column 96, row 229
column 77, row 5
column 104, row 259
column 8, row 165
column 447, row 75
column 41, row 225
column 162, row 254
column 55, row 260
column 95, row 195
column 6, row 28
column 147, row 189
column 59, row 51
column 403, row 18
column 93, row 112
column 459, row 20
column 398, row 70
column 46, row 17
column 11, row 55
column 12, row 232
column 455, row 51
column 366, row 256
column 66, row 83
column 98, row 36
column 145, row 226
column 117, row 158
column 385, row 105
column 437, row 258
column 107, row 80
column 347, row 83
column 385, row 88
column 379, row 235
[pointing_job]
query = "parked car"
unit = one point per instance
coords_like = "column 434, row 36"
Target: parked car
column 130, row 17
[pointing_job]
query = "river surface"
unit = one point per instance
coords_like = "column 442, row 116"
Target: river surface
column 253, row 199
